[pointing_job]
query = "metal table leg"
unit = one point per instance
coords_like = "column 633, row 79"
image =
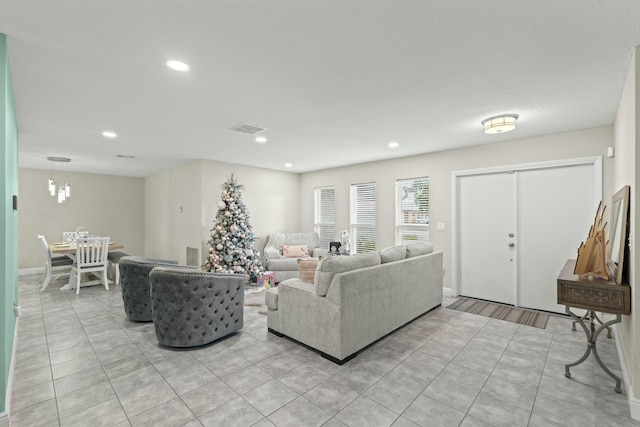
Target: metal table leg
column 592, row 336
column 586, row 317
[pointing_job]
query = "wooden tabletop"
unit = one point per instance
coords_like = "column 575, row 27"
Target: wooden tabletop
column 69, row 248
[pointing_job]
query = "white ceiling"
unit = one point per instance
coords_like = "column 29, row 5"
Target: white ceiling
column 333, row 81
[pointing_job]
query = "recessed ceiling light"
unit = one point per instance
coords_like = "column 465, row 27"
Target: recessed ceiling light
column 177, row 65
column 109, row 134
column 261, row 139
column 393, row 144
column 288, row 165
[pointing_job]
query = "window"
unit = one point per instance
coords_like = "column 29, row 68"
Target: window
column 363, row 217
column 325, row 215
column 412, row 210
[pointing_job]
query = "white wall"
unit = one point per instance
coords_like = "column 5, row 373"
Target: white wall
column 106, row 205
column 626, row 139
column 439, row 166
column 270, row 196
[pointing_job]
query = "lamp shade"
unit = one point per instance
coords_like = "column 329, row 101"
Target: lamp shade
column 500, row 124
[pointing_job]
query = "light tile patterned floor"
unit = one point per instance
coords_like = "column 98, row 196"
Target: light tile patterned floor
column 80, row 362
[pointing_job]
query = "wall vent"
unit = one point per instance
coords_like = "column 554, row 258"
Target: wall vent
column 193, row 256
column 249, row 128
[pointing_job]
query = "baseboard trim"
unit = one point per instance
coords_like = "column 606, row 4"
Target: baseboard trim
column 4, row 416
column 447, row 292
column 30, row 271
column 634, row 403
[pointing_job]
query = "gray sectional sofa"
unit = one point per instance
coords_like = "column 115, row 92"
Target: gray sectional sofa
column 356, row 300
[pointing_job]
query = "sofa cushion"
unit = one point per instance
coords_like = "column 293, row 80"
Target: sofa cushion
column 330, row 266
column 311, row 239
column 271, row 298
column 393, row 253
column 421, row 248
column 282, row 264
column 307, row 269
column 295, row 251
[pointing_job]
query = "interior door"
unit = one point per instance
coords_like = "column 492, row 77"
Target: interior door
column 487, row 255
column 556, row 207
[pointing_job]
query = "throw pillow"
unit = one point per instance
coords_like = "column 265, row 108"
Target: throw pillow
column 295, row 251
column 307, row 268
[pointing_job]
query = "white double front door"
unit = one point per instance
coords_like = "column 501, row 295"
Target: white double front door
column 516, row 229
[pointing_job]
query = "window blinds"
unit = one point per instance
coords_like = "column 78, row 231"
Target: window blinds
column 412, row 210
column 325, row 215
column 363, row 217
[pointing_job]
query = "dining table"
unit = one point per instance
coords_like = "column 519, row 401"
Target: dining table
column 69, row 249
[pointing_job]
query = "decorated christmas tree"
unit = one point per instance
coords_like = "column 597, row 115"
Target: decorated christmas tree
column 231, row 244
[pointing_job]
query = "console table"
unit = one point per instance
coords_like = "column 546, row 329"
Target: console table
column 592, row 295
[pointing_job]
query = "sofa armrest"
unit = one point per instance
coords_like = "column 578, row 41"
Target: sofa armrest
column 271, row 253
column 320, row 252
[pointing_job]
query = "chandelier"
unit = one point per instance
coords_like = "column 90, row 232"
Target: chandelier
column 62, row 190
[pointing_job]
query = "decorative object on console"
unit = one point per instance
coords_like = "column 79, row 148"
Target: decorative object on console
column 618, row 248
column 231, row 245
column 591, row 253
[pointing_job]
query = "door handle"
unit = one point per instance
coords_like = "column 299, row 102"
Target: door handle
column 511, row 245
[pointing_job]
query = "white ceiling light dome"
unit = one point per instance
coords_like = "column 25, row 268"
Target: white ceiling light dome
column 177, row 65
column 500, row 124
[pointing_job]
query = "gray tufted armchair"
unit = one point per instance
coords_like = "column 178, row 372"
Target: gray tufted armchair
column 134, row 282
column 192, row 308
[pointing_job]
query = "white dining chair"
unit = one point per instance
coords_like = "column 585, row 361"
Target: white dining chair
column 68, row 236
column 51, row 264
column 91, row 256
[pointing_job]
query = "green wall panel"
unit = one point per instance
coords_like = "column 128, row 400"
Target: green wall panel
column 8, row 219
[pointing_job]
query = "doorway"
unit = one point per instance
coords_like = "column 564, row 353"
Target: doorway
column 516, row 226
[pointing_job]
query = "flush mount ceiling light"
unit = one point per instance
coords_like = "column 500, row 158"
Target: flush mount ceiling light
column 109, row 134
column 500, row 124
column 393, row 144
column 261, row 139
column 288, row 165
column 177, row 65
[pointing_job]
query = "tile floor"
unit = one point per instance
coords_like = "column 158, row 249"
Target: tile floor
column 80, row 362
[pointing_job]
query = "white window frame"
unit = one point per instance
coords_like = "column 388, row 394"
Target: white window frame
column 411, row 222
column 362, row 217
column 324, row 217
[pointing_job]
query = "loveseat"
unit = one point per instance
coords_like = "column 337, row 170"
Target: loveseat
column 282, row 251
column 356, row 300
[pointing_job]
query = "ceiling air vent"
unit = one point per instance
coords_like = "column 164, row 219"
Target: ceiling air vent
column 245, row 127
